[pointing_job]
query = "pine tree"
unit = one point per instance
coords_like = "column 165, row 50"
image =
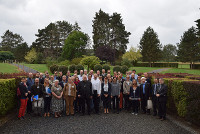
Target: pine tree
column 150, row 46
column 188, row 48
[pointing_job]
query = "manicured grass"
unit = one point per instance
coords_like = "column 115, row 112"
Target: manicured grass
column 8, row 68
column 184, row 66
column 39, row 67
column 178, row 70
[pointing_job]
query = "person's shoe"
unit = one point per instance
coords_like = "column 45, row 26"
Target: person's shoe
column 23, row 117
column 143, row 112
column 19, row 118
column 117, row 112
column 159, row 117
column 133, row 113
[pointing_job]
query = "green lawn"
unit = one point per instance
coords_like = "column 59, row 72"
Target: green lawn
column 184, row 66
column 178, row 70
column 39, row 67
column 8, row 68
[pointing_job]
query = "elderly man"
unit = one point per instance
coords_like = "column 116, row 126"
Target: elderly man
column 145, row 95
column 80, row 76
column 162, row 99
column 85, row 94
column 29, row 83
column 36, row 90
column 96, row 88
column 103, row 74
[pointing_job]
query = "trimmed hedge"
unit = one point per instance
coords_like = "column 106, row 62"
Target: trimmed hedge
column 184, row 98
column 106, row 67
column 63, row 69
column 144, row 64
column 79, row 67
column 53, row 68
column 124, row 68
column 196, row 66
column 7, row 95
column 98, row 67
column 72, row 68
column 117, row 68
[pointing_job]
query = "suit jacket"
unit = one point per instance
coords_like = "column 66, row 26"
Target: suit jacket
column 126, row 87
column 147, row 91
column 103, row 92
column 62, row 83
column 137, row 92
column 41, row 81
column 37, row 91
column 66, row 90
column 153, row 88
column 162, row 90
column 23, row 90
column 85, row 89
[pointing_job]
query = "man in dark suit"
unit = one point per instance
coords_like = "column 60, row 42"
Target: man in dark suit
column 41, row 79
column 85, row 94
column 162, row 99
column 145, row 95
column 154, row 97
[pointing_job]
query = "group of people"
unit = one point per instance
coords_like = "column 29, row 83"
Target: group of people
column 69, row 94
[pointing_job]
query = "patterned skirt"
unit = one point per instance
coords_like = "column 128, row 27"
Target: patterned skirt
column 57, row 104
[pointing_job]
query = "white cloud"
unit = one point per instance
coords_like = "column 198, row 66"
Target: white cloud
column 169, row 18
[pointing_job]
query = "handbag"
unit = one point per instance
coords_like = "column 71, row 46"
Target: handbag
column 149, row 104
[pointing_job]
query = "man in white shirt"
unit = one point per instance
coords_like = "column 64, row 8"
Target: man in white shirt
column 80, row 76
column 96, row 88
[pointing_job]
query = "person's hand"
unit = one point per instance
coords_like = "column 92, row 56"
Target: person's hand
column 98, row 95
column 111, row 96
column 118, row 96
column 79, row 96
column 90, row 97
column 49, row 94
column 34, row 99
column 74, row 98
column 29, row 92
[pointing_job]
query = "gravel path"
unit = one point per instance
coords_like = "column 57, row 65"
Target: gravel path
column 159, row 70
column 26, row 69
column 122, row 123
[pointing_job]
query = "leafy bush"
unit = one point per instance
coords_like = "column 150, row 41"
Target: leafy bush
column 6, row 55
column 7, row 95
column 64, row 63
column 106, row 67
column 116, row 68
column 124, row 69
column 196, row 66
column 98, row 67
column 63, row 69
column 79, row 67
column 76, row 61
column 53, row 68
column 126, row 62
column 144, row 64
column 72, row 68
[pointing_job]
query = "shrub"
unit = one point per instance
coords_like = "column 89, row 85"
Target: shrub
column 79, row 67
column 76, row 61
column 53, row 68
column 98, row 67
column 7, row 95
column 72, row 68
column 64, row 63
column 106, row 67
column 124, row 69
column 161, row 64
column 196, row 66
column 126, row 62
column 116, row 68
column 63, row 69
column 6, row 55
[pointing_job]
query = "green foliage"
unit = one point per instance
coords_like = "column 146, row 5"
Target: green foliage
column 64, row 63
column 124, row 68
column 117, row 68
column 188, row 48
column 76, row 61
column 72, row 68
column 79, row 67
column 150, row 46
column 98, row 67
column 169, row 53
column 31, row 56
column 6, row 55
column 49, row 61
column 63, row 69
column 160, row 64
column 53, row 68
column 75, row 45
column 90, row 61
column 126, row 62
column 132, row 55
column 106, row 67
column 7, row 95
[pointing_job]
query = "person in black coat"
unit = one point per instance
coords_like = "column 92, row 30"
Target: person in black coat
column 135, row 96
column 85, row 94
column 154, row 97
column 106, row 94
column 162, row 99
column 145, row 95
column 41, row 79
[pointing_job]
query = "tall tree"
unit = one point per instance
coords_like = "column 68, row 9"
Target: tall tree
column 188, row 48
column 105, row 53
column 169, row 53
column 14, row 43
column 75, row 45
column 101, row 29
column 150, row 46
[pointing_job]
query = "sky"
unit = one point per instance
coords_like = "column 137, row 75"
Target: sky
column 168, row 18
